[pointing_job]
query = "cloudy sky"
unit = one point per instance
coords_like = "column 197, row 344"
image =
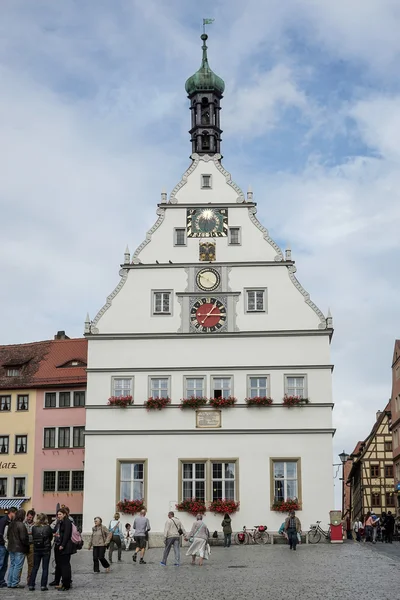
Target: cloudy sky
column 94, row 120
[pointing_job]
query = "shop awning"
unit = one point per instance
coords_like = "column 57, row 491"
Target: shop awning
column 9, row 502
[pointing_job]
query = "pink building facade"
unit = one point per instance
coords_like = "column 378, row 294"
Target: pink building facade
column 60, row 426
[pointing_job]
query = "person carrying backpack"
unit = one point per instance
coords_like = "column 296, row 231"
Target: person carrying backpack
column 227, row 529
column 42, row 534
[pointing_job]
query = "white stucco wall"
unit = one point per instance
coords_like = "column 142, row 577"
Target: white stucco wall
column 254, row 452
column 289, row 338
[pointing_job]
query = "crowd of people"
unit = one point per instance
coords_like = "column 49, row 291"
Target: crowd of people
column 373, row 528
column 30, row 536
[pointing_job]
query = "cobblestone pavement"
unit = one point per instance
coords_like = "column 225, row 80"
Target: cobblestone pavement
column 391, row 550
column 319, row 571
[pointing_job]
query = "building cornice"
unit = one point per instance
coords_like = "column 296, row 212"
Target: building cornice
column 191, row 432
column 230, row 334
column 205, row 407
column 243, row 204
column 215, row 368
column 259, row 263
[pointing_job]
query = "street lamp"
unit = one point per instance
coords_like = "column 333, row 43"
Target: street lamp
column 343, row 459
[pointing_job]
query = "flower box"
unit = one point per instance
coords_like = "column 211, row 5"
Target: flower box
column 193, row 506
column 224, row 506
column 259, row 401
column 157, row 403
column 286, row 505
column 122, row 401
column 294, row 400
column 223, row 402
column 193, row 402
column 130, row 507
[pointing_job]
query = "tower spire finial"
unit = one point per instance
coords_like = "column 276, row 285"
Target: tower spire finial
column 205, row 90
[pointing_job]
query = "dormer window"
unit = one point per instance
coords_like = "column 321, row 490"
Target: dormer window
column 76, row 362
column 13, row 372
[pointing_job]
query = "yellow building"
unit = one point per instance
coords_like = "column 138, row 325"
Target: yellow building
column 371, row 475
column 18, row 364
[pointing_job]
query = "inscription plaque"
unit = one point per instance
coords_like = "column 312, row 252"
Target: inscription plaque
column 210, row 419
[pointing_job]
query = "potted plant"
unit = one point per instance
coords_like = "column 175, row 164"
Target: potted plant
column 224, row 506
column 193, row 402
column 157, row 403
column 294, row 400
column 122, row 401
column 193, row 506
column 223, row 402
column 259, row 401
column 130, row 507
column 286, row 505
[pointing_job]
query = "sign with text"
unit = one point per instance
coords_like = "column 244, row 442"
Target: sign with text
column 208, row 419
column 8, row 465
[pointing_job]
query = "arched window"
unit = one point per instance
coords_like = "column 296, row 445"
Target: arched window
column 205, row 141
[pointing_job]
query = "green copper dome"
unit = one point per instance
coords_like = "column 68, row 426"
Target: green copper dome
column 204, row 80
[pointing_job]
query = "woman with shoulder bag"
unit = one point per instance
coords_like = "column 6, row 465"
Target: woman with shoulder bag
column 115, row 529
column 99, row 541
column 42, row 535
column 198, row 538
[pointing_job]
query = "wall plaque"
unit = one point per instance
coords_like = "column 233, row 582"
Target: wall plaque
column 210, row 419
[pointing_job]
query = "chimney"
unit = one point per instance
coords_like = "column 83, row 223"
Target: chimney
column 378, row 414
column 60, row 335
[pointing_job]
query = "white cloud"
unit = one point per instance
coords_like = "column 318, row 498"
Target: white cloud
column 258, row 104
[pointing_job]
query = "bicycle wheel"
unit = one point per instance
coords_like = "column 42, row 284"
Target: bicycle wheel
column 314, row 536
column 245, row 539
column 261, row 537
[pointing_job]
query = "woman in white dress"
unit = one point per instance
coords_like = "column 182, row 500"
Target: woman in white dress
column 198, row 537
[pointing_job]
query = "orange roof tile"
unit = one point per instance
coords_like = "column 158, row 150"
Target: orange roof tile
column 56, row 368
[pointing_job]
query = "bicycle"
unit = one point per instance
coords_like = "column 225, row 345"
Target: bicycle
column 258, row 535
column 316, row 532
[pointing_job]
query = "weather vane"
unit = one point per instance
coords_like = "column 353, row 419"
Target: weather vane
column 207, row 22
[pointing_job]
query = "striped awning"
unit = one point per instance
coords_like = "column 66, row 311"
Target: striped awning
column 9, row 502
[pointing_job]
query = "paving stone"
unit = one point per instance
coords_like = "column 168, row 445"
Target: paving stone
column 313, row 572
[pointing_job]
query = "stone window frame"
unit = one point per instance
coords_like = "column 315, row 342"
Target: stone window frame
column 123, row 376
column 208, row 475
column 285, row 459
column 153, row 303
column 264, row 310
column 186, row 377
column 176, row 229
column 161, row 376
column 143, row 461
column 230, row 243
column 258, row 375
column 224, row 376
column 206, row 187
column 305, row 387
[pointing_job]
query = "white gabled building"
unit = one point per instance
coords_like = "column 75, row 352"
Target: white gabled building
column 209, row 305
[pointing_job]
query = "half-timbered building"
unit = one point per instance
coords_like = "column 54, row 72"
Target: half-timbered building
column 371, row 476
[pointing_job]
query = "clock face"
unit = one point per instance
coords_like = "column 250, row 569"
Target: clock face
column 208, row 279
column 208, row 315
column 207, row 222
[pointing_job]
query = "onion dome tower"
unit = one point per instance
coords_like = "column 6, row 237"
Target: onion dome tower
column 205, row 91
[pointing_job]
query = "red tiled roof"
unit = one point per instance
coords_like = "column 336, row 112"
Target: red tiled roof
column 54, row 369
column 357, row 448
column 26, row 356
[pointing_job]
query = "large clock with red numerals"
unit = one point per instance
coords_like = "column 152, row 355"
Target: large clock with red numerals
column 208, row 314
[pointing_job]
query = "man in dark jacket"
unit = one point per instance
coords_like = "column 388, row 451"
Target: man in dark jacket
column 4, row 523
column 18, row 548
column 389, row 525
